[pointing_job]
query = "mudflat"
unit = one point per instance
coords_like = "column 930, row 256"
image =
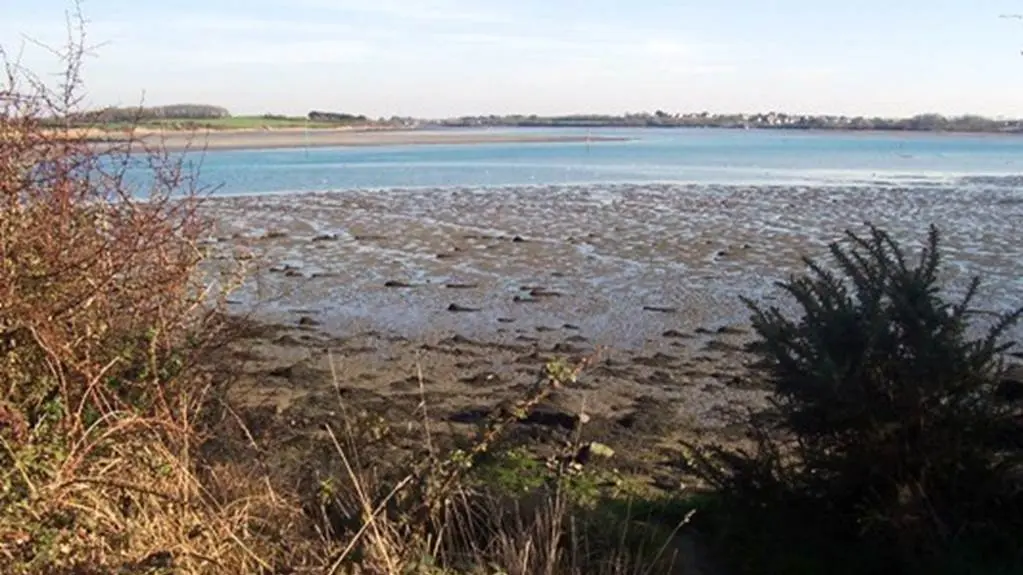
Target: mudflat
column 455, row 299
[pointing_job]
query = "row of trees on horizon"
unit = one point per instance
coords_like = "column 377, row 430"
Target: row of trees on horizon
column 660, row 118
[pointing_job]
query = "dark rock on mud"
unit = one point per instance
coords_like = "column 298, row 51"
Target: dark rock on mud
column 289, row 340
column 299, row 373
column 659, row 378
column 716, row 345
column 326, row 238
column 457, row 308
column 656, row 360
column 409, row 383
column 531, row 359
column 567, row 348
column 650, row 416
column 470, row 415
column 458, row 339
column 675, row 334
column 483, row 379
column 611, row 372
column 552, row 416
column 461, row 286
column 307, row 321
column 744, row 382
column 397, row 284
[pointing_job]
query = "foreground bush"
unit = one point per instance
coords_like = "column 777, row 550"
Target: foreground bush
column 103, row 316
column 888, row 433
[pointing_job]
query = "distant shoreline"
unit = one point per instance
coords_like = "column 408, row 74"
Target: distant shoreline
column 291, row 138
column 184, row 118
column 320, row 138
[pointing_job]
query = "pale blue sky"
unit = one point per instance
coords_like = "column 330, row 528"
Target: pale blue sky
column 445, row 57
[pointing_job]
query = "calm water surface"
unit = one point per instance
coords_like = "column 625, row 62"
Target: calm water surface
column 651, row 155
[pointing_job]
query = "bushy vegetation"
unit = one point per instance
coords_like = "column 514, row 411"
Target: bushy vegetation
column 889, row 448
column 336, row 117
column 146, row 113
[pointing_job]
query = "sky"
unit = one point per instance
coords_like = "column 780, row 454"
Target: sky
column 443, row 58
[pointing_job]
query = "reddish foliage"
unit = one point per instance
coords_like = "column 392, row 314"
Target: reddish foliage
column 99, row 283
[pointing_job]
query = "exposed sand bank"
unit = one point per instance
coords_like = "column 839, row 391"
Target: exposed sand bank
column 299, row 138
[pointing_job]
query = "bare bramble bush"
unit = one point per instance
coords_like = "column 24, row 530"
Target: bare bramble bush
column 889, row 428
column 103, row 316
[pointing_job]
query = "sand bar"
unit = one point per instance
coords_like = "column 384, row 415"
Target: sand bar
column 270, row 139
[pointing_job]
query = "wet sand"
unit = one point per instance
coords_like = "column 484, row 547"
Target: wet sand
column 318, row 138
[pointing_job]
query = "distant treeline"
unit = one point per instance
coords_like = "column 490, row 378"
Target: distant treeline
column 199, row 113
column 923, row 122
column 143, row 114
column 318, row 116
column 195, row 113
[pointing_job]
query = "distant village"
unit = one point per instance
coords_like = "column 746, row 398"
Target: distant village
column 772, row 120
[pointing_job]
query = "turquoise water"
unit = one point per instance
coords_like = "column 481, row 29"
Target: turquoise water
column 650, row 155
